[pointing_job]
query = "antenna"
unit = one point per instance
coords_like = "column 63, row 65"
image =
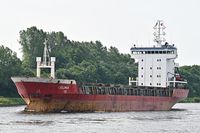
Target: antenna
column 159, row 32
column 46, row 57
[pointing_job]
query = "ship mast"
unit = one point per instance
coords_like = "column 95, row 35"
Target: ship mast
column 47, row 62
column 46, row 57
column 159, row 32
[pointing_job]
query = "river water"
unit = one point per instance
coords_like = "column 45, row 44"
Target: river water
column 184, row 118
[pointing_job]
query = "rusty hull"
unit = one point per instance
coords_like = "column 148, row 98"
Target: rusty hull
column 54, row 96
column 92, row 103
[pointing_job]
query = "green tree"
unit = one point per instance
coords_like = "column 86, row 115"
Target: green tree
column 192, row 75
column 32, row 41
column 10, row 65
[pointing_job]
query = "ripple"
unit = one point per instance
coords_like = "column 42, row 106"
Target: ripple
column 85, row 120
column 33, row 122
column 156, row 118
column 4, row 123
column 90, row 119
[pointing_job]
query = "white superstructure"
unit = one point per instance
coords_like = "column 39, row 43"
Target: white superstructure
column 156, row 66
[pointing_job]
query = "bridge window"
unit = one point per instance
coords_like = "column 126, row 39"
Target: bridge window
column 158, row 83
column 158, row 76
column 158, row 68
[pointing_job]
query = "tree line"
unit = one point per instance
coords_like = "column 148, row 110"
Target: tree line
column 82, row 61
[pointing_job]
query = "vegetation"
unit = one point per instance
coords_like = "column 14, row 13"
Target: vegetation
column 82, row 61
column 192, row 74
column 191, row 100
column 11, row 101
column 10, row 65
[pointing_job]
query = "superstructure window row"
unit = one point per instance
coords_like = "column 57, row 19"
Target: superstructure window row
column 153, row 52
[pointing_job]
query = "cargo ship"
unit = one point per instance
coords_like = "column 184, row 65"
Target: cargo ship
column 157, row 88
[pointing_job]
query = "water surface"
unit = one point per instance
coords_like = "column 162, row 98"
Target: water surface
column 184, row 118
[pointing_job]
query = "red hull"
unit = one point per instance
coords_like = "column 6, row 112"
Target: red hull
column 50, row 96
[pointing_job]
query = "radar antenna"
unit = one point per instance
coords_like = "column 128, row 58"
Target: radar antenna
column 159, row 32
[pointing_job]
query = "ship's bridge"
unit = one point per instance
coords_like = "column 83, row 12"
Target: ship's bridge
column 156, row 65
column 164, row 49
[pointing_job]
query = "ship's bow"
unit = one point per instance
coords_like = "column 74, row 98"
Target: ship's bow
column 21, row 89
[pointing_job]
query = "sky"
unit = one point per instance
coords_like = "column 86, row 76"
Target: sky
column 118, row 23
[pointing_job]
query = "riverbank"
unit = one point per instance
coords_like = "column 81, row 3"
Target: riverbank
column 191, row 100
column 7, row 101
